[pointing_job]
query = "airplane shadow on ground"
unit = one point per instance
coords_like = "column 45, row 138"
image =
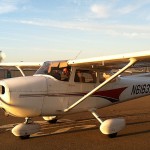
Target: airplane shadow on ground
column 91, row 127
column 134, row 133
column 81, row 125
column 67, row 132
column 138, row 132
column 67, row 128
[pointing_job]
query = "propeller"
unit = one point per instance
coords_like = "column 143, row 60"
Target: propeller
column 2, row 56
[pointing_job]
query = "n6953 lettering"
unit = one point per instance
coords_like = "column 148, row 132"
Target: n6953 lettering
column 140, row 89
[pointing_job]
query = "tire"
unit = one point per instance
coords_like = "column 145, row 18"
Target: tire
column 113, row 135
column 52, row 121
column 24, row 137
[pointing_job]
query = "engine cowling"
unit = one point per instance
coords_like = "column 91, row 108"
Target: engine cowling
column 23, row 96
column 111, row 126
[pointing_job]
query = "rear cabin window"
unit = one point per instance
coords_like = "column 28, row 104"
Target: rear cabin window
column 62, row 74
column 85, row 76
column 103, row 76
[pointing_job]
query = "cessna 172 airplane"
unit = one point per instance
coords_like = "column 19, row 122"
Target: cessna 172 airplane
column 70, row 86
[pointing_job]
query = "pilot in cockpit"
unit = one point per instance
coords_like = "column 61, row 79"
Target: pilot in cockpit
column 60, row 73
column 65, row 74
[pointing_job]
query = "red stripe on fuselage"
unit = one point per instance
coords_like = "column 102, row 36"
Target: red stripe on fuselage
column 114, row 93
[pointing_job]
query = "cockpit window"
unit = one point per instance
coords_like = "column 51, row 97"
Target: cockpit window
column 58, row 70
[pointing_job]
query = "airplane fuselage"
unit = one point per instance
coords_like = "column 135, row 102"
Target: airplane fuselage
column 43, row 95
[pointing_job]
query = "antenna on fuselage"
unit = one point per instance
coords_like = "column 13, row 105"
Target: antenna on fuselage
column 78, row 54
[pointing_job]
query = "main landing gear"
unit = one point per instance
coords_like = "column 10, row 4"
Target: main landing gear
column 24, row 130
column 110, row 127
column 51, row 119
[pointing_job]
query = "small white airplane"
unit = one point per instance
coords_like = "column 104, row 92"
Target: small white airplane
column 65, row 87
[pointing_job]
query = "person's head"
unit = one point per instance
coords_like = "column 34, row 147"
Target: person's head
column 106, row 75
column 66, row 71
column 79, row 73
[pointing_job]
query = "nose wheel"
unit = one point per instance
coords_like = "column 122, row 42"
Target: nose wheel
column 27, row 121
column 24, row 130
column 113, row 135
column 24, row 137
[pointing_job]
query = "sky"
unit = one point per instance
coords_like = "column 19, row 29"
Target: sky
column 40, row 30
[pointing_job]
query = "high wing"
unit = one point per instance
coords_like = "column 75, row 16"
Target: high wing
column 114, row 61
column 122, row 61
column 21, row 65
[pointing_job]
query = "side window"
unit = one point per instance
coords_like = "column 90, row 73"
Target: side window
column 62, row 74
column 105, row 76
column 56, row 73
column 85, row 76
column 101, row 77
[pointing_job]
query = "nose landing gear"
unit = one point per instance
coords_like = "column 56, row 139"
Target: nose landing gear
column 24, row 130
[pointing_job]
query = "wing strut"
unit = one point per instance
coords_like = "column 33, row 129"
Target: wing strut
column 21, row 71
column 132, row 61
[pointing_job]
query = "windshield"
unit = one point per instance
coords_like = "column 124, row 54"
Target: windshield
column 58, row 70
column 44, row 68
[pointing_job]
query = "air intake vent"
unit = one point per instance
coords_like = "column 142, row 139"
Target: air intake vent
column 2, row 89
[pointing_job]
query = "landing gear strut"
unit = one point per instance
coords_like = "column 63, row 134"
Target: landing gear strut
column 110, row 127
column 28, row 120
